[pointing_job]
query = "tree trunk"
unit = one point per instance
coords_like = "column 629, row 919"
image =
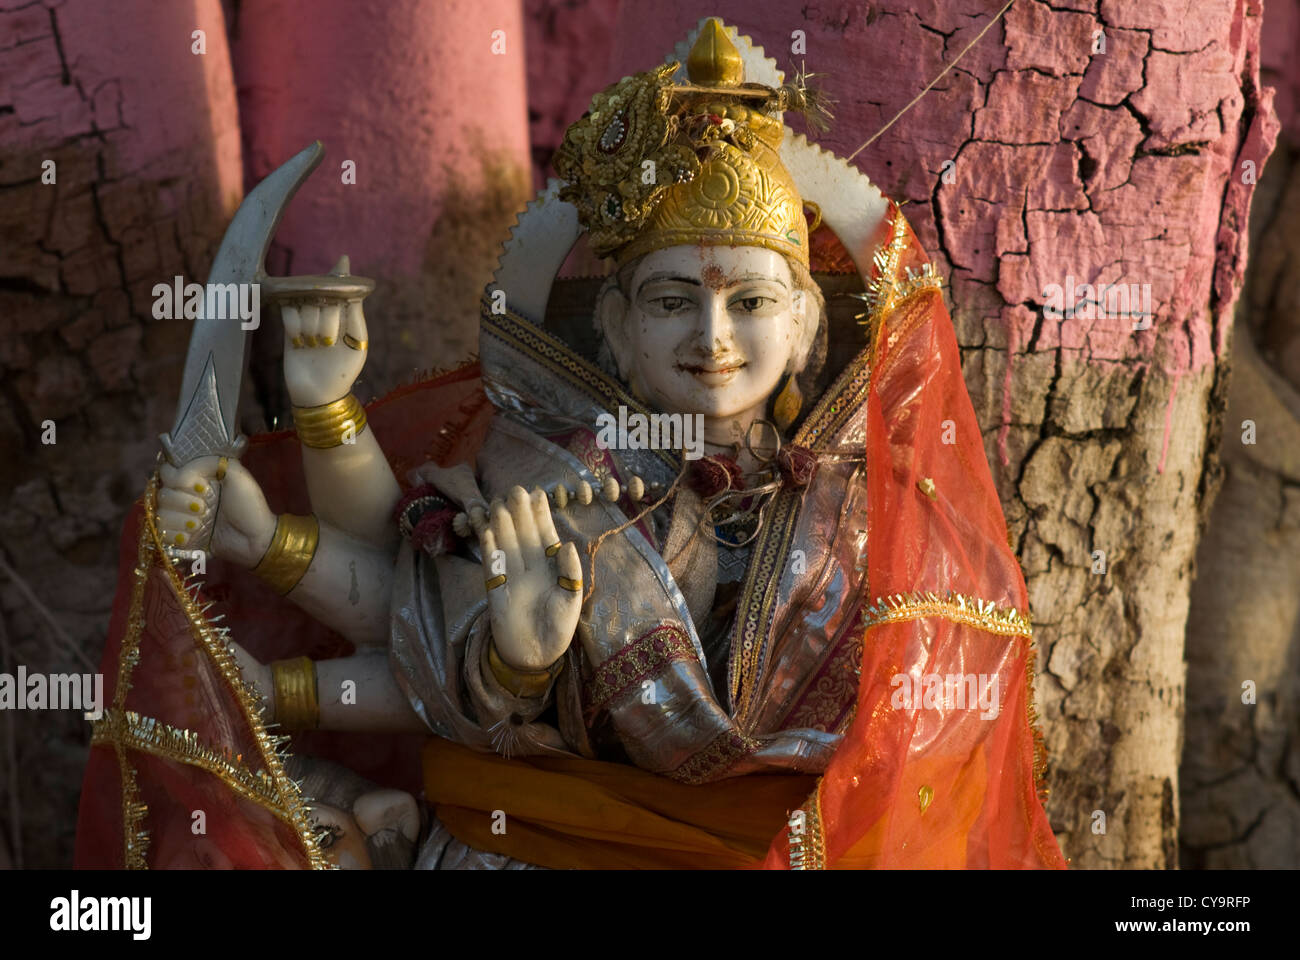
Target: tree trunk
column 1241, row 766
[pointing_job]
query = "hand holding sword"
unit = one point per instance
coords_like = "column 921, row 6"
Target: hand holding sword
column 208, row 501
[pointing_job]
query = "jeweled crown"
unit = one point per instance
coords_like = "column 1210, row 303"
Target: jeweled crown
column 653, row 164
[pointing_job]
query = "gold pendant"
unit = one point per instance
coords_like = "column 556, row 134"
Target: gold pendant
column 788, row 403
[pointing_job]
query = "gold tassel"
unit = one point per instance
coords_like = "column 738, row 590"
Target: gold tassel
column 788, row 404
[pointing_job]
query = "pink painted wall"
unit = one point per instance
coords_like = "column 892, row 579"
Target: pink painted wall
column 409, row 90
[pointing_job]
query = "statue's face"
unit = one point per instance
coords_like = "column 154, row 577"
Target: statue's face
column 709, row 329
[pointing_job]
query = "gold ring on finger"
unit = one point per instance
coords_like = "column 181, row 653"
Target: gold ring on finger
column 222, row 464
column 568, row 583
column 554, row 548
column 495, row 582
column 354, row 343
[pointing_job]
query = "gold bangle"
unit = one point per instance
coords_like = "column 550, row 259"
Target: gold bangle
column 522, row 683
column 290, row 553
column 297, row 695
column 329, row 424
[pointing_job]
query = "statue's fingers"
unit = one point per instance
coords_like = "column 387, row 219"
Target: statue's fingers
column 567, row 563
column 530, row 543
column 569, row 585
column 489, row 546
column 310, row 314
column 292, row 325
column 503, row 529
column 173, row 528
column 183, row 502
column 354, row 325
column 328, row 332
column 545, row 522
column 493, row 567
column 191, row 476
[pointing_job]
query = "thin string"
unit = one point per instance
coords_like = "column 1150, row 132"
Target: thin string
column 1005, row 7
column 595, row 545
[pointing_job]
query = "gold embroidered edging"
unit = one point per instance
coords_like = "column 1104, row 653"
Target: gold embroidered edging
column 705, row 765
column 808, row 851
column 758, row 599
column 880, row 295
column 886, row 291
column 955, row 607
column 132, row 731
column 642, row 659
column 292, row 806
column 1039, row 743
column 135, row 838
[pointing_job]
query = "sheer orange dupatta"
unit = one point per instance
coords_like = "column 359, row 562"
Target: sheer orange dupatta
column 941, row 767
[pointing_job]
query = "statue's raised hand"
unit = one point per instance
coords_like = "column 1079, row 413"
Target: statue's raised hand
column 534, row 582
column 324, row 348
column 214, row 504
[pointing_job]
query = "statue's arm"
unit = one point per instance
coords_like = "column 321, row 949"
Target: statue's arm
column 356, row 693
column 351, row 485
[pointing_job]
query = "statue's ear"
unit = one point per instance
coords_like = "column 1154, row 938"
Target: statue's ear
column 804, row 307
column 611, row 317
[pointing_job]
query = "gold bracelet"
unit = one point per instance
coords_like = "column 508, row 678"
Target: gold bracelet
column 522, row 683
column 326, row 426
column 290, row 553
column 297, row 699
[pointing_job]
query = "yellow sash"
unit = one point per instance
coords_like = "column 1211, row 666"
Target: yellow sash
column 570, row 813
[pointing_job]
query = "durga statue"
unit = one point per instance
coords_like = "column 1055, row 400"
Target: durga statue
column 481, row 635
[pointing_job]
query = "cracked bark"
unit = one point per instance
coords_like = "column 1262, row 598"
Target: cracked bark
column 145, row 183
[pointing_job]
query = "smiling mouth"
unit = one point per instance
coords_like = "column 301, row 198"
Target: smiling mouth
column 711, row 369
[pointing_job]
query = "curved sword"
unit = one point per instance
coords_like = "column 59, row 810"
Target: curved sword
column 206, row 422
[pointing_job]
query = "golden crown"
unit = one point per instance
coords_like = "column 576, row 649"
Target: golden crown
column 654, row 164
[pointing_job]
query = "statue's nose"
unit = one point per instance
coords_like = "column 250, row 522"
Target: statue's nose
column 715, row 327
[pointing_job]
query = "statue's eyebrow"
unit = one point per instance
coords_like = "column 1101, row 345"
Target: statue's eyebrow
column 695, row 281
column 664, row 275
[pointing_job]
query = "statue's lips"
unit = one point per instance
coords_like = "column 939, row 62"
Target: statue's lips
column 713, row 374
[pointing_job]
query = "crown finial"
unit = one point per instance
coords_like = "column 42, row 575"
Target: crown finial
column 714, row 60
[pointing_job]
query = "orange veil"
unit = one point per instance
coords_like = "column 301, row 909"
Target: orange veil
column 941, row 766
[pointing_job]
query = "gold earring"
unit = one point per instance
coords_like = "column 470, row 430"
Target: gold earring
column 788, row 403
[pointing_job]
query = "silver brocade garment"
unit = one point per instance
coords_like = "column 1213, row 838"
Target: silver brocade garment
column 784, row 662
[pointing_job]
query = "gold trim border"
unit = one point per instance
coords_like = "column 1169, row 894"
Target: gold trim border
column 952, row 606
column 286, row 800
column 132, row 731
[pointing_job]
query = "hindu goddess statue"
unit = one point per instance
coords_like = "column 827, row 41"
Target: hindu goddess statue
column 772, row 619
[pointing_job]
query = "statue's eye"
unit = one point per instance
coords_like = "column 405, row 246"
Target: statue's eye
column 671, row 304
column 750, row 304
